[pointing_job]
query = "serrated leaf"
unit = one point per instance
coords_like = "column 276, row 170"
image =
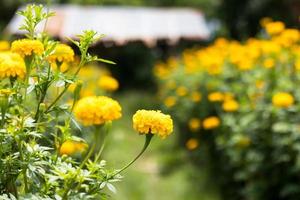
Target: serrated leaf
column 102, row 185
column 30, row 89
column 111, row 187
column 60, row 83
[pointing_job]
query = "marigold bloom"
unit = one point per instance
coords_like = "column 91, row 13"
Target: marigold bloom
column 96, row 110
column 170, row 101
column 11, row 65
column 152, row 122
column 194, row 124
column 230, row 106
column 274, row 28
column 215, row 97
column 63, row 67
column 264, row 21
column 196, row 96
column 27, row 47
column 192, row 144
column 108, row 83
column 269, row 63
column 4, row 45
column 6, row 92
column 62, row 53
column 211, row 122
column 181, row 91
column 70, row 147
column 282, row 100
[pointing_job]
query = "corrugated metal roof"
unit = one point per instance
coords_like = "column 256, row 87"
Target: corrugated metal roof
column 123, row 24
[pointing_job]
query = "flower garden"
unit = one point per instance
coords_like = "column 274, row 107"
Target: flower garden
column 238, row 103
column 230, row 109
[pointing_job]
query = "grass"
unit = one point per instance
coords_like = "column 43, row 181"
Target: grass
column 163, row 172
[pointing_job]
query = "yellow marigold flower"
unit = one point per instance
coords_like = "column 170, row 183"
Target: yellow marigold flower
column 108, row 83
column 181, row 91
column 6, row 92
column 230, row 106
column 274, row 28
column 152, row 122
column 171, row 84
column 194, row 124
column 196, row 96
column 11, row 65
column 27, row 47
column 4, row 45
column 264, row 21
column 63, row 67
column 211, row 122
column 192, row 144
column 170, row 101
column 96, row 110
column 269, row 63
column 215, row 97
column 62, row 53
column 282, row 100
column 70, row 147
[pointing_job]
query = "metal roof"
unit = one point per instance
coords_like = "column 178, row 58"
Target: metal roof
column 123, row 24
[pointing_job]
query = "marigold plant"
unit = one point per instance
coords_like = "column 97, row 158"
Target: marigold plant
column 52, row 136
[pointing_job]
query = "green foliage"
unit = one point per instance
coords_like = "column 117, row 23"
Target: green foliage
column 36, row 123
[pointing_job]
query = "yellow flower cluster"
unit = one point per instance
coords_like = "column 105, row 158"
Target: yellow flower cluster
column 108, row 83
column 192, row 144
column 11, row 65
column 216, row 97
column 70, row 147
column 196, row 96
column 282, row 100
column 4, row 45
column 152, row 122
column 211, row 122
column 162, row 70
column 244, row 56
column 274, row 28
column 194, row 124
column 96, row 110
column 62, row 53
column 170, row 101
column 27, row 47
column 230, row 105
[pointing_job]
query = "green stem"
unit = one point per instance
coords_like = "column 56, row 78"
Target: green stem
column 24, row 169
column 91, row 151
column 105, row 135
column 65, row 89
column 88, row 155
column 3, row 111
column 148, row 138
column 44, row 93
